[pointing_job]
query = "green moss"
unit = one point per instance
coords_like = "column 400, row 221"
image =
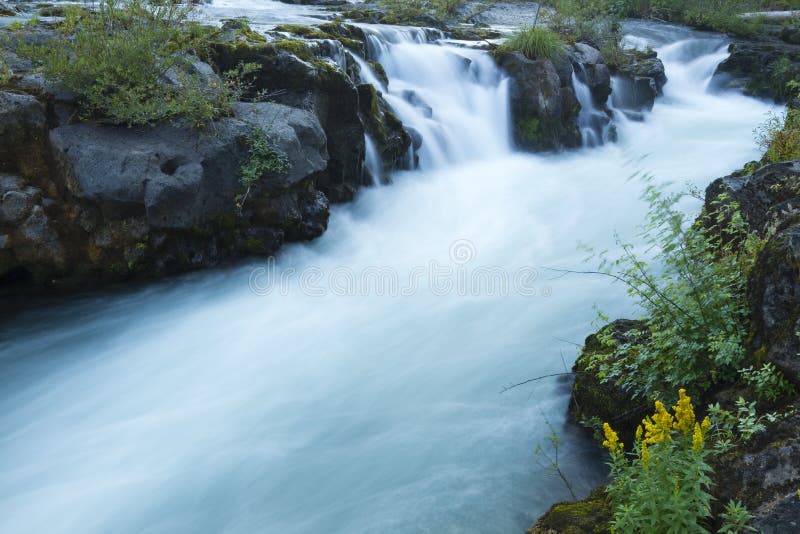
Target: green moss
column 308, row 32
column 297, row 47
column 380, row 72
column 529, row 130
column 589, row 516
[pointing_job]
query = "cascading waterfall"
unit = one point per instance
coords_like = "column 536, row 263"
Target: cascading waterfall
column 218, row 403
column 456, row 98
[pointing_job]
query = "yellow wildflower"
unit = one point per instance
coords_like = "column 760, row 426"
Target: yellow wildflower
column 639, row 433
column 657, row 428
column 612, row 439
column 705, row 425
column 684, row 413
column 645, row 455
column 697, row 437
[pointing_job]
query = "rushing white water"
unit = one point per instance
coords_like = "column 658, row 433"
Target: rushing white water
column 202, row 405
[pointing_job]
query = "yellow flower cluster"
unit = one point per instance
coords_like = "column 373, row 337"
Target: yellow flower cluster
column 657, row 427
column 699, row 434
column 612, row 441
column 684, row 413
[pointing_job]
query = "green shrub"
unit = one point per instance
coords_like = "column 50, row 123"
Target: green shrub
column 264, row 159
column 117, row 58
column 535, row 43
column 693, row 299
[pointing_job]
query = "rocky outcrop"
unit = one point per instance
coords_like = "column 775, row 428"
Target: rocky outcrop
column 764, row 197
column 760, row 67
column 119, row 202
column 544, row 109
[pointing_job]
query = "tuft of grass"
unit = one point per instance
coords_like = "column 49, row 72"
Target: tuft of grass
column 536, row 43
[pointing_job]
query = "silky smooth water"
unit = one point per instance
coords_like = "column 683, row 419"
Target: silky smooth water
column 217, row 402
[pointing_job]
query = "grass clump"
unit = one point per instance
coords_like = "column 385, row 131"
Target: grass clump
column 133, row 62
column 535, row 43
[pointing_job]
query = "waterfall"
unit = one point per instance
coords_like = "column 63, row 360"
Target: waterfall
column 325, row 403
column 456, row 98
column 595, row 124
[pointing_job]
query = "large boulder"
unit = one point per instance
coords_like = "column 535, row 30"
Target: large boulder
column 544, row 109
column 175, row 177
column 158, row 200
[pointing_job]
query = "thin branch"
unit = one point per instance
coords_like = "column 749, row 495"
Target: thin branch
column 553, row 375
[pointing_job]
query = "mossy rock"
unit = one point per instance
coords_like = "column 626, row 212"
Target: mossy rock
column 592, row 398
column 589, row 516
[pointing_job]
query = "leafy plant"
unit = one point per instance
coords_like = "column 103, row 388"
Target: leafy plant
column 132, row 61
column 767, row 381
column 693, row 298
column 736, row 519
column 780, row 136
column 264, row 159
column 740, row 426
column 535, row 43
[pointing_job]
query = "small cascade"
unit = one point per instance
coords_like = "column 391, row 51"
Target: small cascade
column 456, row 99
column 595, row 124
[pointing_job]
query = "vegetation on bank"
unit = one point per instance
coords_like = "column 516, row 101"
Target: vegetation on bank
column 535, row 43
column 134, row 62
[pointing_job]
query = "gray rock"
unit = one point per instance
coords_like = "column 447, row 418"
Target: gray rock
column 544, row 115
column 176, row 176
column 22, row 134
column 296, row 132
column 639, row 81
column 773, row 291
column 765, row 197
column 14, row 206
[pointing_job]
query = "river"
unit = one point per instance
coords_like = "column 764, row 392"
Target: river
column 354, row 384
